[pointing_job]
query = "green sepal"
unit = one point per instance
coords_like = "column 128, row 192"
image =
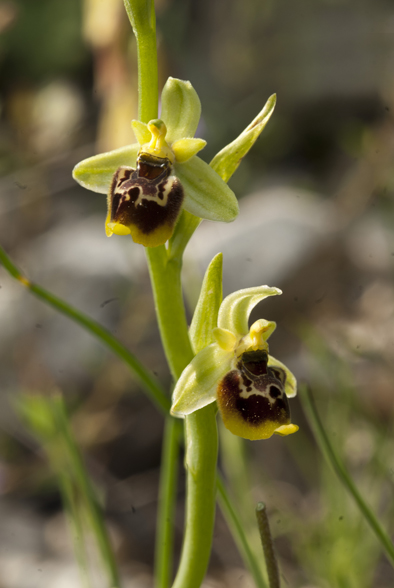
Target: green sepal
column 206, row 195
column 96, row 173
column 228, row 159
column 198, row 383
column 207, row 309
column 180, row 109
column 236, row 308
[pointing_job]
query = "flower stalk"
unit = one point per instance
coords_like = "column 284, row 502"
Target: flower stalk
column 142, row 17
column 200, row 429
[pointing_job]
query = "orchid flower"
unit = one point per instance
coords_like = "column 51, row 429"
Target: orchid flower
column 149, row 182
column 250, row 386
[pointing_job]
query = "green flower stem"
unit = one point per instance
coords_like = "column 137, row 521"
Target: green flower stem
column 201, row 430
column 149, row 383
column 184, row 230
column 268, row 545
column 201, row 460
column 142, row 17
column 340, row 469
column 235, row 525
column 167, row 291
column 167, row 493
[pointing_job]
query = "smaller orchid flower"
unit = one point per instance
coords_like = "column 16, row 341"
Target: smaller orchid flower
column 250, row 386
column 150, row 181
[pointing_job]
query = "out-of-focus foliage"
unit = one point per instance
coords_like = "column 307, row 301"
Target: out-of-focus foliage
column 42, row 41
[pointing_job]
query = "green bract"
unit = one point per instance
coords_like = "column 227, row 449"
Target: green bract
column 250, row 386
column 206, row 195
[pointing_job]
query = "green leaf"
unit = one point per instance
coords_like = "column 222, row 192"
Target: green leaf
column 207, row 309
column 228, row 159
column 180, row 109
column 96, row 173
column 206, row 195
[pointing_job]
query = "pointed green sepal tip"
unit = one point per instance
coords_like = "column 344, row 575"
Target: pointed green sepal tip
column 228, row 159
column 180, row 108
column 207, row 309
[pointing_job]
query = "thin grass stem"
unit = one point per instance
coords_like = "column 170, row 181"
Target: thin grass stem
column 151, row 386
column 268, row 545
column 235, row 525
column 166, row 508
column 336, row 463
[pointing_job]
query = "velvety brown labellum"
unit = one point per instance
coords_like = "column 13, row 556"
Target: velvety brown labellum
column 254, row 392
column 148, row 199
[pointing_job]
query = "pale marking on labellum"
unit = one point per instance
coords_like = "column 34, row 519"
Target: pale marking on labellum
column 167, row 190
column 254, row 392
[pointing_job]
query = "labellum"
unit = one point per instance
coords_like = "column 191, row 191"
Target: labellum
column 252, row 399
column 145, row 202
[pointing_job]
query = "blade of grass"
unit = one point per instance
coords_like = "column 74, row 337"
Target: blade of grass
column 87, row 491
column 334, row 460
column 235, row 525
column 149, row 383
column 48, row 420
column 167, row 493
column 74, row 517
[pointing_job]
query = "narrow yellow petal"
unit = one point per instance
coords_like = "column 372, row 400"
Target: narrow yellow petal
column 184, row 149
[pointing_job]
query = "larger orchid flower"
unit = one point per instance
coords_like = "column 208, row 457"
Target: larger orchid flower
column 250, row 386
column 150, row 181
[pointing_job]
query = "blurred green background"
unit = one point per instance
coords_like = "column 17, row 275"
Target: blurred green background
column 317, row 216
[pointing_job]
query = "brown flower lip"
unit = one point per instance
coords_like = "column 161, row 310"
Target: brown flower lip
column 146, row 200
column 252, row 398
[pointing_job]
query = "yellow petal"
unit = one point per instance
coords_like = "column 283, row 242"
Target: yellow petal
column 184, row 149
